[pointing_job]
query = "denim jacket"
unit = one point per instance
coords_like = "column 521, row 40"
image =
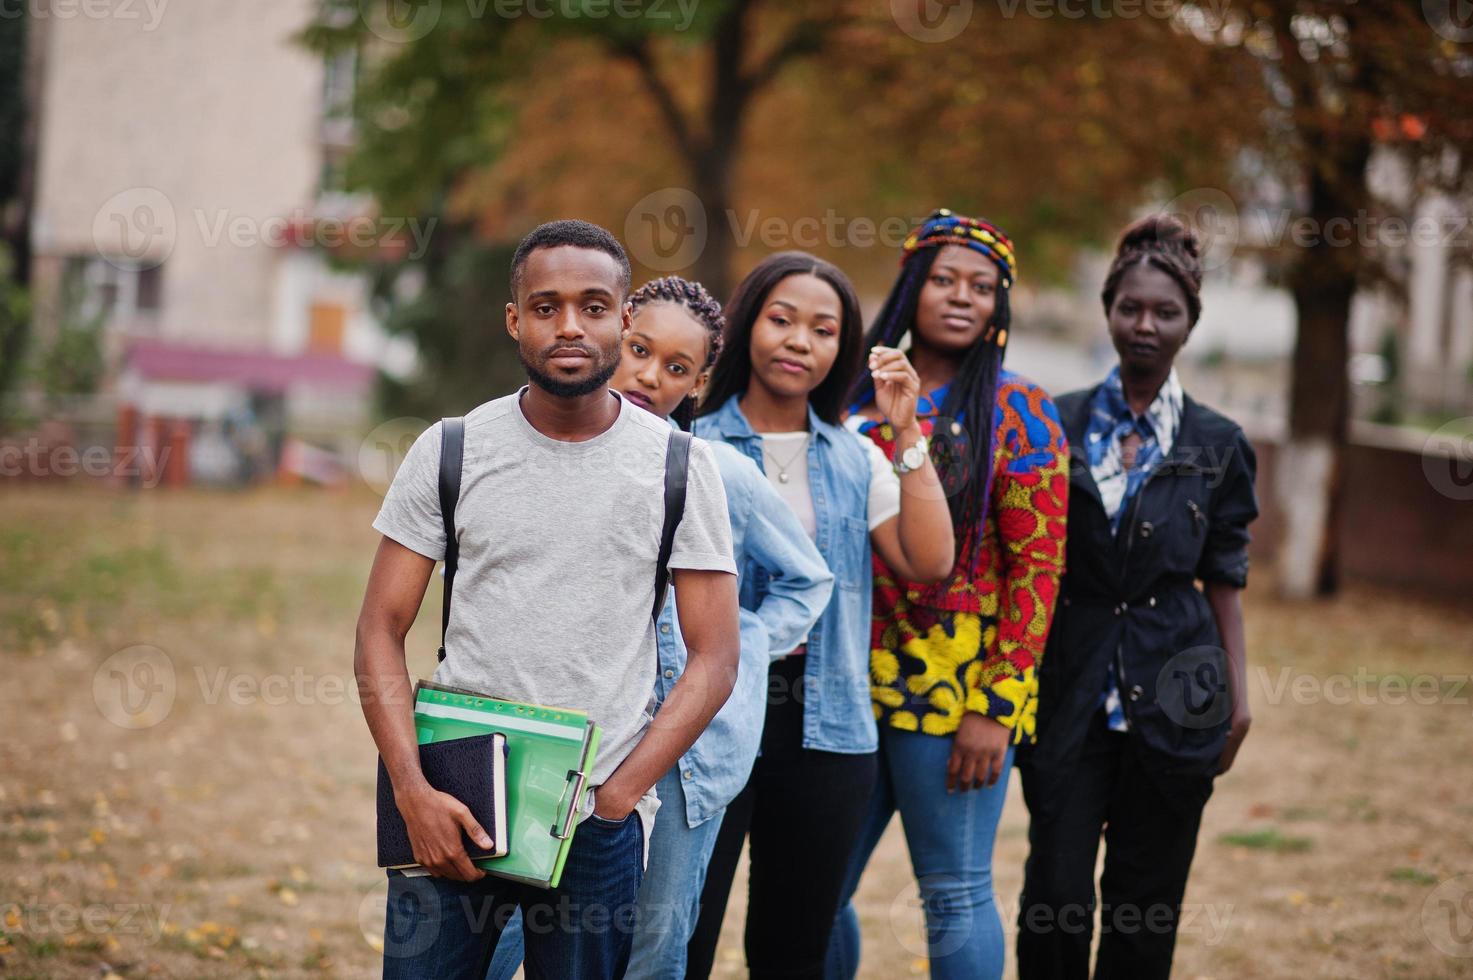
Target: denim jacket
column 765, row 537
column 837, row 713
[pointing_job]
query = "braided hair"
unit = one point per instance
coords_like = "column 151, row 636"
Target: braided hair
column 1163, row 242
column 973, row 395
column 700, row 305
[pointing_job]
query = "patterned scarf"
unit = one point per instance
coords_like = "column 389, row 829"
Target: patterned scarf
column 1110, row 422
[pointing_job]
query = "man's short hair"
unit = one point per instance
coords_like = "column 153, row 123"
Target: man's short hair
column 579, row 234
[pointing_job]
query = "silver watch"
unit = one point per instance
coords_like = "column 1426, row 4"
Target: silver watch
column 913, row 458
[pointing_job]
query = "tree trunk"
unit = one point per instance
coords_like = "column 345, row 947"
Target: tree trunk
column 1309, row 466
column 713, row 267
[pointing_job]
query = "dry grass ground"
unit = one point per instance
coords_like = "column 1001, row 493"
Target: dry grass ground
column 232, row 834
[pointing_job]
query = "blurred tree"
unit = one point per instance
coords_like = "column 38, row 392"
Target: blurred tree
column 1339, row 77
column 435, row 109
column 16, row 137
column 835, row 112
column 844, row 127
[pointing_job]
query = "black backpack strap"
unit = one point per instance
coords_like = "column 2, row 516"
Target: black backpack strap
column 452, row 454
column 677, row 463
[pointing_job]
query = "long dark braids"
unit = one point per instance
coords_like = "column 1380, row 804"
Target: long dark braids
column 962, row 443
column 701, row 305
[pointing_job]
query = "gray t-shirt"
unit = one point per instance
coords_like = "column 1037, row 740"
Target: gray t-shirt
column 558, row 544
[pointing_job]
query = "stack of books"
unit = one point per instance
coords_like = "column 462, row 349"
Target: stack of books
column 521, row 769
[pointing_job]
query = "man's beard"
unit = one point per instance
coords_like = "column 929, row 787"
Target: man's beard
column 604, row 368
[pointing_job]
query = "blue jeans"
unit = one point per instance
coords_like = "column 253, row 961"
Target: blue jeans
column 438, row 928
column 668, row 897
column 950, row 837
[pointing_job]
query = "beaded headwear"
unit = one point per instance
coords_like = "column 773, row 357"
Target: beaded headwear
column 944, row 227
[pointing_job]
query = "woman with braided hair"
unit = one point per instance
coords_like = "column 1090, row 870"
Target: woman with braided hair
column 663, row 368
column 1141, row 694
column 952, row 665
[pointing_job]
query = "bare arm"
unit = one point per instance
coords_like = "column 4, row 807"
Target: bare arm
column 1227, row 608
column 706, row 603
column 919, row 543
column 396, row 586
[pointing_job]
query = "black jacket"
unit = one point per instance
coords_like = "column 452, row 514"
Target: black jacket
column 1130, row 602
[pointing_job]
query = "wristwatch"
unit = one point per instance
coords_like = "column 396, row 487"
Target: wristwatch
column 913, row 458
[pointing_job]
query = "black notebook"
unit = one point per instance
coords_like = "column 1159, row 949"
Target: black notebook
column 473, row 770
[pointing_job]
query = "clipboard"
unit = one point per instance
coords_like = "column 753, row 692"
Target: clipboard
column 550, row 753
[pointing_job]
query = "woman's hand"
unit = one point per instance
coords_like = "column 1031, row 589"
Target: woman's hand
column 897, row 386
column 978, row 751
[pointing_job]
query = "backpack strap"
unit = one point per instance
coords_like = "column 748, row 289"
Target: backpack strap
column 677, row 464
column 452, row 454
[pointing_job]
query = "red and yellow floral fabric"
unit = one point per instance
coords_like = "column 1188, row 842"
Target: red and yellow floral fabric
column 974, row 641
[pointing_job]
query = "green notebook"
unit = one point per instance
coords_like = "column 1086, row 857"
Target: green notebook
column 550, row 752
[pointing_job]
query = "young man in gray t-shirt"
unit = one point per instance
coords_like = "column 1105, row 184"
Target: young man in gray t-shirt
column 558, row 523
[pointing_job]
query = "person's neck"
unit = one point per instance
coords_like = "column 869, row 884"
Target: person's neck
column 1142, row 387
column 767, row 412
column 936, row 368
column 574, row 419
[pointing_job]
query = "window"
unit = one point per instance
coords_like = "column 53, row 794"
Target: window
column 110, row 291
column 326, row 327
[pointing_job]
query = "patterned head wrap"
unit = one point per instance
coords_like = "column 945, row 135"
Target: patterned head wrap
column 946, row 228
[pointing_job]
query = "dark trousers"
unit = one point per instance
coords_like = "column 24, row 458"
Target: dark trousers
column 439, row 928
column 1150, row 824
column 804, row 810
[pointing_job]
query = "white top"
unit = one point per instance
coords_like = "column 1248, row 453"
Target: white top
column 787, row 453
